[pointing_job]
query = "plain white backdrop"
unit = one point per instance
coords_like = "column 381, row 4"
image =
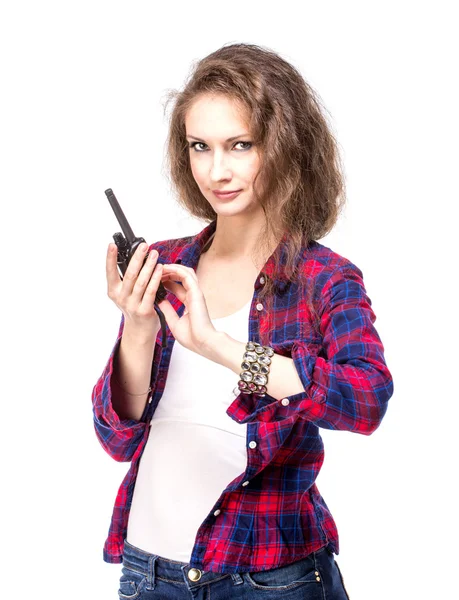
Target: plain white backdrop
column 81, row 110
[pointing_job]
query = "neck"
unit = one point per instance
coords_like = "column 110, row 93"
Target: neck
column 235, row 241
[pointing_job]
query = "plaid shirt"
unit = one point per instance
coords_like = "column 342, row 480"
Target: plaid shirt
column 279, row 516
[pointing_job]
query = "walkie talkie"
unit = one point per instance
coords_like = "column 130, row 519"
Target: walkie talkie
column 127, row 245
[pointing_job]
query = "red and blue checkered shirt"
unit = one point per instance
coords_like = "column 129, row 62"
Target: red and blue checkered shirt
column 280, row 516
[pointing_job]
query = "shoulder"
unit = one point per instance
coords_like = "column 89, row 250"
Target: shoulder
column 334, row 277
column 320, row 262
column 169, row 250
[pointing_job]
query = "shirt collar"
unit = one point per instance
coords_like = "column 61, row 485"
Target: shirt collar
column 190, row 252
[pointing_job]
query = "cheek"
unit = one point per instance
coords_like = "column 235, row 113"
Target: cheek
column 253, row 166
column 197, row 170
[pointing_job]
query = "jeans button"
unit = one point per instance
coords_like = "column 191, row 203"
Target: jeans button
column 194, row 574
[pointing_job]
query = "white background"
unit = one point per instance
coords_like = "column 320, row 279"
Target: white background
column 82, row 90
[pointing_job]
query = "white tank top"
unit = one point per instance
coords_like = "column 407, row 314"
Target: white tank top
column 194, row 450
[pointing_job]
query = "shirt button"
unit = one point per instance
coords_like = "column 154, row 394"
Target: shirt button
column 252, row 444
column 245, row 483
column 194, row 574
column 217, row 512
column 259, row 306
column 262, row 280
column 285, row 401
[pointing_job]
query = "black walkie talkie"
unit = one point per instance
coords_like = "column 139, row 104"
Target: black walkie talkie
column 126, row 249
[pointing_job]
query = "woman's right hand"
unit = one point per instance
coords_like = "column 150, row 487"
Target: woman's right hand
column 134, row 295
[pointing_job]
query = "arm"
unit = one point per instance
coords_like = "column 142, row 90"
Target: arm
column 132, row 369
column 346, row 389
column 118, row 418
column 283, row 379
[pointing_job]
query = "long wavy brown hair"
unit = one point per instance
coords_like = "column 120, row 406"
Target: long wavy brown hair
column 303, row 190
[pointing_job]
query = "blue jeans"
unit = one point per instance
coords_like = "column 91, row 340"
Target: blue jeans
column 150, row 577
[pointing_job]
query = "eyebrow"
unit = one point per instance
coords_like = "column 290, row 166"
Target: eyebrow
column 228, row 140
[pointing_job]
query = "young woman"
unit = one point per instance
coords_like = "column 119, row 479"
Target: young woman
column 269, row 337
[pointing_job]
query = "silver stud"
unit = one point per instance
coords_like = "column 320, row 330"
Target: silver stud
column 246, row 376
column 285, row 401
column 259, row 306
column 260, row 379
column 217, row 512
column 252, row 444
column 262, row 280
column 245, row 483
column 264, row 360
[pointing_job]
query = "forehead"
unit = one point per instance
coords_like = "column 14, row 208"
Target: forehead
column 216, row 115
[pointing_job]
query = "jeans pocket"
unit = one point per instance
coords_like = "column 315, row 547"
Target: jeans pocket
column 131, row 583
column 300, row 573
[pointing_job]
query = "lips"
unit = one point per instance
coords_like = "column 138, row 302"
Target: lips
column 227, row 194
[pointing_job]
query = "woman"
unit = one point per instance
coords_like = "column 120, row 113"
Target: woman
column 269, row 337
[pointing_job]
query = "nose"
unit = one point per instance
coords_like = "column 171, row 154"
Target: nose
column 219, row 168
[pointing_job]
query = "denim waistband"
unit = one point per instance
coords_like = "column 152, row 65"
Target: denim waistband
column 152, row 566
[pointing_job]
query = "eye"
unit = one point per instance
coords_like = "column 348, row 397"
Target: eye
column 249, row 143
column 194, row 146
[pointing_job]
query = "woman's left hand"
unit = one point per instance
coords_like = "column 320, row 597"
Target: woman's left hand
column 193, row 329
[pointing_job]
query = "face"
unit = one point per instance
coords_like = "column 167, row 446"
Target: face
column 219, row 163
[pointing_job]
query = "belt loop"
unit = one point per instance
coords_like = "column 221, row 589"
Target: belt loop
column 151, row 572
column 237, row 579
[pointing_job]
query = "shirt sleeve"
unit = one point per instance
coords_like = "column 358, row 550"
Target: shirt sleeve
column 118, row 437
column 346, row 380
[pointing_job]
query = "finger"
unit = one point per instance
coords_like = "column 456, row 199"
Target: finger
column 153, row 285
column 132, row 271
column 111, row 268
column 176, row 267
column 184, row 274
column 175, row 288
column 170, row 314
column 145, row 274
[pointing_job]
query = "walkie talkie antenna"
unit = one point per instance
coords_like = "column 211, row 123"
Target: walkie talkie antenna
column 127, row 230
